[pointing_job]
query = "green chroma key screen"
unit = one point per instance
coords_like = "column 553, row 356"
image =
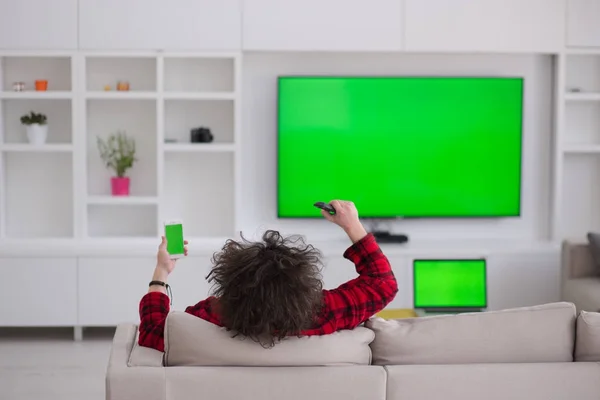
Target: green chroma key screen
column 400, row 146
column 449, row 283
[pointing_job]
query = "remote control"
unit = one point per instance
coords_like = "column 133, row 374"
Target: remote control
column 325, row 206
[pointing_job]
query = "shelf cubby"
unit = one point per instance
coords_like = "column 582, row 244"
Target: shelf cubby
column 138, row 119
column 183, row 115
column 122, row 221
column 183, row 74
column 582, row 123
column 581, row 195
column 56, row 70
column 199, row 189
column 58, row 111
column 583, row 73
column 140, row 72
column 39, row 203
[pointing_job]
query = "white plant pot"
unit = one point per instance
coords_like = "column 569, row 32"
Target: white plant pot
column 37, row 134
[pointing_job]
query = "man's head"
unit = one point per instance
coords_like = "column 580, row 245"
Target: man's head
column 267, row 290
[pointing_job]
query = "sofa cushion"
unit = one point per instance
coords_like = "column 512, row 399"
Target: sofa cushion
column 360, row 382
column 543, row 333
column 191, row 341
column 533, row 381
column 587, row 343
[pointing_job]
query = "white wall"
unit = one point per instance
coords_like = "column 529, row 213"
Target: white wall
column 260, row 133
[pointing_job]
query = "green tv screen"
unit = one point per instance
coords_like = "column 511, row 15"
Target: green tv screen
column 449, row 284
column 400, row 146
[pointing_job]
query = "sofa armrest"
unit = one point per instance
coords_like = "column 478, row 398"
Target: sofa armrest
column 125, row 382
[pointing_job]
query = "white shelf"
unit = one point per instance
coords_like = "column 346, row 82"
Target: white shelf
column 583, row 51
column 199, row 147
column 199, row 96
column 121, row 200
column 124, row 95
column 36, row 95
column 29, row 148
column 582, row 96
column 582, row 149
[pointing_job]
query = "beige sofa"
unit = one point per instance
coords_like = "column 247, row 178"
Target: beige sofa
column 528, row 353
column 580, row 281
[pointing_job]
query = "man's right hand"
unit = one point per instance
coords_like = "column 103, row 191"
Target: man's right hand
column 346, row 217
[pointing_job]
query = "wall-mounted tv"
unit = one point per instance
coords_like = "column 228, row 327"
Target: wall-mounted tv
column 450, row 285
column 400, row 146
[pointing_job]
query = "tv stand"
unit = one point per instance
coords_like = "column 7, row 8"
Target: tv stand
column 384, row 237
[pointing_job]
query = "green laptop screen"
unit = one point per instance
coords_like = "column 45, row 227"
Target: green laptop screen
column 449, row 283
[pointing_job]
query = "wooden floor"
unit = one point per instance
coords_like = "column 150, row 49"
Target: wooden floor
column 48, row 365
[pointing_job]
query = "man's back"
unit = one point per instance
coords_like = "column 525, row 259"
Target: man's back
column 267, row 290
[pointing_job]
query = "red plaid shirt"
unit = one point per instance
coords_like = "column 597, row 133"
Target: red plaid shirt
column 346, row 307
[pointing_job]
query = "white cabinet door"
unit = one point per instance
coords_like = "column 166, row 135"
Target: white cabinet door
column 38, row 24
column 188, row 281
column 323, row 25
column 533, row 26
column 160, row 25
column 202, row 25
column 38, row 291
column 583, row 24
column 120, row 24
column 110, row 289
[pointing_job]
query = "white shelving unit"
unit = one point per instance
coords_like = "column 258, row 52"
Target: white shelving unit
column 62, row 189
column 578, row 144
column 37, row 184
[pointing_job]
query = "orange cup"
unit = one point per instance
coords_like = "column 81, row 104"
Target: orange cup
column 41, row 85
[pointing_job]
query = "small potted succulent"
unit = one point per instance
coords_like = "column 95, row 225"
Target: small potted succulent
column 37, row 127
column 118, row 153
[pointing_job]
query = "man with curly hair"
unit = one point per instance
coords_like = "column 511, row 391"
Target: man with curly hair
column 271, row 289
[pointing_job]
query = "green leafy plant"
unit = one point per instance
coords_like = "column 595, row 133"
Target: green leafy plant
column 33, row 118
column 117, row 152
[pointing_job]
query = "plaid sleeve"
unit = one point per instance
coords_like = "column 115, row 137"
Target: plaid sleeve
column 154, row 308
column 359, row 299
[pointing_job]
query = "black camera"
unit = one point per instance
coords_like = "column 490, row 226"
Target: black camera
column 201, row 135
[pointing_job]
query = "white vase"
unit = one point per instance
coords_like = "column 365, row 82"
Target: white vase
column 37, row 134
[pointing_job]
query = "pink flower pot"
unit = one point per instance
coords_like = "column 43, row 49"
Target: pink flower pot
column 120, row 186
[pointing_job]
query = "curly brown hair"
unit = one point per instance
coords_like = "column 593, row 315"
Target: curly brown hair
column 267, row 290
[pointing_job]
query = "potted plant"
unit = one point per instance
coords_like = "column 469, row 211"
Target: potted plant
column 37, row 127
column 118, row 153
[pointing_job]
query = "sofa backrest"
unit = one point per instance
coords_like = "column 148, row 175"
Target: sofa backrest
column 543, row 333
column 191, row 341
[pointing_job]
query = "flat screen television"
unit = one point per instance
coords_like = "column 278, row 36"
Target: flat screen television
column 450, row 285
column 400, row 146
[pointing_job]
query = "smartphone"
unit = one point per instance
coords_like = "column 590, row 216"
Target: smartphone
column 174, row 235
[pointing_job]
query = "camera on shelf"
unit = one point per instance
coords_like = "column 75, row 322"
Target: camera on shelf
column 201, row 135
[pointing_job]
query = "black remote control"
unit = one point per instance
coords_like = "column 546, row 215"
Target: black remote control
column 325, row 206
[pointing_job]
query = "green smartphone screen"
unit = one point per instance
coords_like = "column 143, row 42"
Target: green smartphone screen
column 174, row 235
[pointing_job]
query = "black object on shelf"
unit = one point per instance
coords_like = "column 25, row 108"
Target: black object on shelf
column 384, row 237
column 201, row 135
